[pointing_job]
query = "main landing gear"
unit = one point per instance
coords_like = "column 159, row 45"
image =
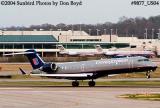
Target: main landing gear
column 148, row 74
column 75, row 83
column 90, row 83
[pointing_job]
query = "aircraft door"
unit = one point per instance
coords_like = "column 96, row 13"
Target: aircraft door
column 82, row 67
column 131, row 65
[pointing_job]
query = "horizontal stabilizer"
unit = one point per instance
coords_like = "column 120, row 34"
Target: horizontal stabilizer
column 22, row 71
column 19, row 53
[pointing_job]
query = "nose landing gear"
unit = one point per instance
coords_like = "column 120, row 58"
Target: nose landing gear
column 148, row 74
column 75, row 83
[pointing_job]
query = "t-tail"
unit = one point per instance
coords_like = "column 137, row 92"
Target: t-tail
column 33, row 58
column 61, row 48
column 98, row 48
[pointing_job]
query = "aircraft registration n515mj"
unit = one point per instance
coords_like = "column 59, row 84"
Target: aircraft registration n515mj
column 87, row 69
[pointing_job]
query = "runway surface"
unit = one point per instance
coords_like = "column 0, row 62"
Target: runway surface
column 70, row 97
column 65, row 80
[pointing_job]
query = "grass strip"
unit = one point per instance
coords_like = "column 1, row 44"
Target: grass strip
column 84, row 83
column 151, row 97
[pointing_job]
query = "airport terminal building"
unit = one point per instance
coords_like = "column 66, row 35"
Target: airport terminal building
column 45, row 42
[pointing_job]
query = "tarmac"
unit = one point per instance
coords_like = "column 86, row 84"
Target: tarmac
column 65, row 80
column 79, row 97
column 70, row 97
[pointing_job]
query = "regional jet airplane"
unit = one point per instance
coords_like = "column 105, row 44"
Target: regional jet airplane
column 116, row 53
column 64, row 51
column 87, row 69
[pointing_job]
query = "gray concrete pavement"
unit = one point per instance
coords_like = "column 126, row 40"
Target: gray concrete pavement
column 97, row 80
column 69, row 97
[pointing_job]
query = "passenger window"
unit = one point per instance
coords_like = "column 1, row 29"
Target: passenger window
column 143, row 60
column 146, row 60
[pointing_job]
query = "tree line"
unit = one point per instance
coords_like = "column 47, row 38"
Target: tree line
column 139, row 27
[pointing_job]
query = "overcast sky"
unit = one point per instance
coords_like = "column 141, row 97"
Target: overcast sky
column 91, row 12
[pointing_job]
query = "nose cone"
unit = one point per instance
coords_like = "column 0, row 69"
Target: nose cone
column 154, row 66
column 151, row 66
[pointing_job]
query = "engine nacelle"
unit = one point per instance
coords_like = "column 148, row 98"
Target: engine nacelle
column 49, row 68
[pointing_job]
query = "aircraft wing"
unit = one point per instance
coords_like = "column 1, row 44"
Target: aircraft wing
column 64, row 75
column 67, row 76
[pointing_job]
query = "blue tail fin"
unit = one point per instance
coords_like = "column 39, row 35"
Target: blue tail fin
column 34, row 59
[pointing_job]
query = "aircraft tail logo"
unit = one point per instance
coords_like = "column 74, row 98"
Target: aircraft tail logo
column 35, row 61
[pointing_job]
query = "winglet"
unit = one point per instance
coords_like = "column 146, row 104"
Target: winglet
column 22, row 71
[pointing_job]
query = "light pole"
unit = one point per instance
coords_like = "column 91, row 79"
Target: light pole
column 158, row 34
column 89, row 31
column 146, row 33
column 105, row 32
column 97, row 32
column 111, row 34
column 111, row 31
column 152, row 34
column 116, row 32
column 80, row 28
column 72, row 30
column 59, row 34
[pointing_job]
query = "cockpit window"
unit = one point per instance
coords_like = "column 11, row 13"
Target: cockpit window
column 143, row 60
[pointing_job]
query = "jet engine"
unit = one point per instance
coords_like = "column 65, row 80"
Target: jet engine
column 49, row 68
